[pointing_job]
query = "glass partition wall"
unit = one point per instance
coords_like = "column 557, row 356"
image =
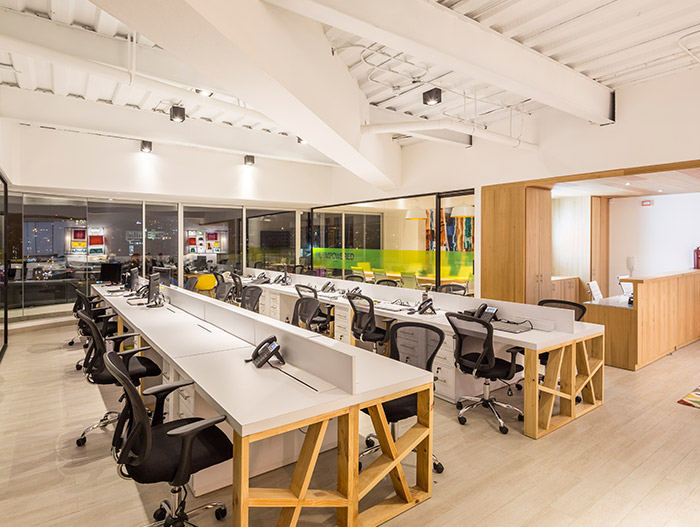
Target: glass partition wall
column 271, row 239
column 397, row 239
column 212, row 238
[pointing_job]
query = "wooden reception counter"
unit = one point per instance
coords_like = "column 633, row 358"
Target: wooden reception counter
column 665, row 316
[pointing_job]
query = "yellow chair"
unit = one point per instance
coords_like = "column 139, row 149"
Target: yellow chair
column 206, row 284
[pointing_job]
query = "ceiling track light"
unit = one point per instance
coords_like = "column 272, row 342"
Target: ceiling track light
column 177, row 114
column 146, row 147
column 203, row 93
column 432, row 97
column 301, row 141
column 249, row 160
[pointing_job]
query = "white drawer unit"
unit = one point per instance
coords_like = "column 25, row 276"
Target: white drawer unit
column 444, row 380
column 273, row 304
column 263, row 303
column 342, row 320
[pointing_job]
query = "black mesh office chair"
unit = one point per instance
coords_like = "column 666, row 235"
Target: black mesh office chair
column 387, row 282
column 453, row 289
column 250, row 297
column 310, row 272
column 224, row 291
column 474, row 356
column 191, row 283
column 306, row 310
column 323, row 318
column 78, row 306
column 298, row 269
column 151, row 451
column 258, row 265
column 355, row 278
column 579, row 311
column 237, row 287
column 96, row 372
column 364, row 327
column 417, row 344
column 219, row 278
column 97, row 314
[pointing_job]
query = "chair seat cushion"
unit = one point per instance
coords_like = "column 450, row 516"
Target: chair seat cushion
column 500, row 370
column 139, row 367
column 378, row 335
column 398, row 409
column 211, row 447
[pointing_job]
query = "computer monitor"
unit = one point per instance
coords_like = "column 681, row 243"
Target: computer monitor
column 153, row 286
column 110, row 272
column 134, row 279
column 164, row 273
column 200, row 263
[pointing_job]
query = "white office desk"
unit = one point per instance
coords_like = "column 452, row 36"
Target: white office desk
column 260, row 404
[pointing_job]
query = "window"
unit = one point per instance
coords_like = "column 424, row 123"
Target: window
column 212, row 238
column 271, row 239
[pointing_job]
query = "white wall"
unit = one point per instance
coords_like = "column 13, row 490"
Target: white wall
column 571, row 237
column 661, row 238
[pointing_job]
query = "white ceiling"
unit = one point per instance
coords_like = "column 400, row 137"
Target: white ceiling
column 656, row 183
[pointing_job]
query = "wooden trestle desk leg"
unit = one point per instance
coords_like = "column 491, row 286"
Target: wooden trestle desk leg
column 120, row 325
column 530, row 407
column 348, row 468
column 241, row 477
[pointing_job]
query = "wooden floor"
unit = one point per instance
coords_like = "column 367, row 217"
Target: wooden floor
column 633, row 462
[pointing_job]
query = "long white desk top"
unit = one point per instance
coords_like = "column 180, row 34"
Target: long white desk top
column 255, row 400
column 534, row 339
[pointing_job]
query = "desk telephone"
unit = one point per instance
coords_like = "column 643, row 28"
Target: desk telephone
column 267, row 349
column 328, row 287
column 282, row 279
column 261, row 279
column 355, row 291
column 425, row 307
column 139, row 293
column 484, row 312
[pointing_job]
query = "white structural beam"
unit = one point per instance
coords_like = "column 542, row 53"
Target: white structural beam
column 278, row 62
column 45, row 109
column 438, row 35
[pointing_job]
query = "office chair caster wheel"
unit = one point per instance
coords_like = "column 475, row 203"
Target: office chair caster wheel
column 503, row 429
column 220, row 513
column 459, row 406
column 369, row 442
column 437, row 467
column 521, row 417
column 78, row 367
column 519, row 387
column 510, row 392
column 70, row 342
column 462, row 420
column 578, row 399
column 81, row 441
column 160, row 514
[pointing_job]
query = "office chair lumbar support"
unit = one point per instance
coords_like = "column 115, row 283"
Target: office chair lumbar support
column 487, row 401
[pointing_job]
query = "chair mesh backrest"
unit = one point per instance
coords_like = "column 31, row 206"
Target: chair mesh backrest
column 310, row 272
column 362, row 314
column 219, row 278
column 298, row 269
column 415, row 343
column 355, row 278
column 578, row 309
column 250, row 297
column 387, row 282
column 410, row 282
column 85, row 304
column 305, row 291
column 223, row 291
column 472, row 336
column 237, row 285
column 94, row 356
column 191, row 283
column 132, row 435
column 305, row 309
column 453, row 289
column 258, row 265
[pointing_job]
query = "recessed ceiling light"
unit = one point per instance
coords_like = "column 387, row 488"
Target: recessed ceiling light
column 627, row 184
column 660, row 190
column 249, row 160
column 432, row 97
column 203, row 93
column 146, row 147
column 177, row 114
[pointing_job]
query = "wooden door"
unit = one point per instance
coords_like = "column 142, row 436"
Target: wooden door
column 538, row 244
column 600, row 242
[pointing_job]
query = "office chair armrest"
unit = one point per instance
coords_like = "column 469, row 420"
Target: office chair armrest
column 188, row 434
column 516, row 349
column 118, row 340
column 98, row 311
column 99, row 318
column 161, row 393
column 128, row 354
column 513, row 364
column 387, row 323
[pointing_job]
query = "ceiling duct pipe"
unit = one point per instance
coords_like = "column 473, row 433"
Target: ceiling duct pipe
column 446, row 124
column 187, row 97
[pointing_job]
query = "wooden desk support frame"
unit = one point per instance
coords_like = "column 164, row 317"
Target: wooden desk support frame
column 572, row 369
column 351, row 486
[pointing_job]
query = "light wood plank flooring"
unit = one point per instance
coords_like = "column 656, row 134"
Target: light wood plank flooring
column 633, row 462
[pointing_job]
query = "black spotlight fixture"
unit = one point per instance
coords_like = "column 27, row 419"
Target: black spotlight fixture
column 249, row 160
column 177, row 114
column 301, row 141
column 432, row 97
column 146, row 146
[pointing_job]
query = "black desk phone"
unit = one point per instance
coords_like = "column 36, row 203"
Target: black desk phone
column 261, row 279
column 484, row 312
column 355, row 291
column 328, row 287
column 279, row 279
column 425, row 307
column 267, row 349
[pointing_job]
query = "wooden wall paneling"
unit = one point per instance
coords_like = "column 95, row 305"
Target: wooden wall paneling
column 621, row 335
column 600, row 243
column 503, row 243
column 538, row 244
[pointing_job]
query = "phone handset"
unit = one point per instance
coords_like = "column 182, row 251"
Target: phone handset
column 486, row 313
column 264, row 351
column 426, row 306
column 328, row 287
column 355, row 290
column 278, row 279
column 142, row 291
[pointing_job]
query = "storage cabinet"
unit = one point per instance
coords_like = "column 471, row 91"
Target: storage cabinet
column 538, row 244
column 565, row 289
column 343, row 319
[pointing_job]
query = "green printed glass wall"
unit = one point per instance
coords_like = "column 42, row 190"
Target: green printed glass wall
column 421, row 263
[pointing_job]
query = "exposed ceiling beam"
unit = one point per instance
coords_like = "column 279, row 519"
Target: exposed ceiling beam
column 436, row 34
column 278, row 62
column 45, row 109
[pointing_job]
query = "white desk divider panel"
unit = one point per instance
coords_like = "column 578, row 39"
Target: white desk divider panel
column 334, row 365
